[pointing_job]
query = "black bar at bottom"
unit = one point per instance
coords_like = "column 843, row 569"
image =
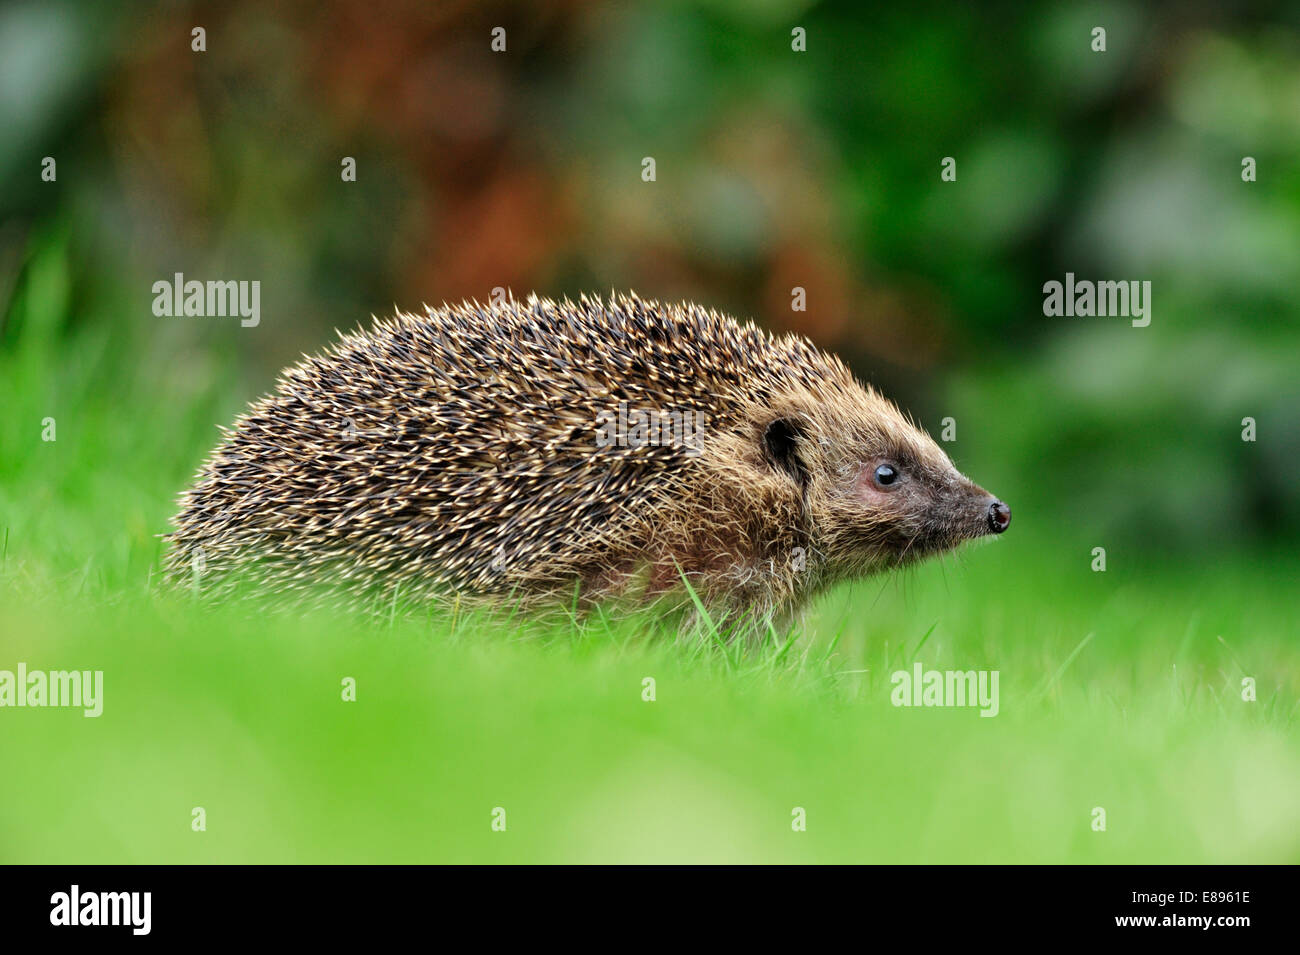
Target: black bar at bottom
column 1172, row 905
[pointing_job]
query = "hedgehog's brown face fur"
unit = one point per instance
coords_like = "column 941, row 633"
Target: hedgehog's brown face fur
column 878, row 492
column 836, row 475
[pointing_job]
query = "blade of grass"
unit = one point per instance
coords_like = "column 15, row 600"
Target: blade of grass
column 1051, row 681
column 918, row 647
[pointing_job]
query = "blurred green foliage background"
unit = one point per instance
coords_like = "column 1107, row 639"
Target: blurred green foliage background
column 776, row 169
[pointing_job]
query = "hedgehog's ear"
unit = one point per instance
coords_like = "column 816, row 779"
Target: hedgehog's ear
column 781, row 448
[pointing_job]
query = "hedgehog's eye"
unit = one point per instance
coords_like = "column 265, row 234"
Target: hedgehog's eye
column 886, row 475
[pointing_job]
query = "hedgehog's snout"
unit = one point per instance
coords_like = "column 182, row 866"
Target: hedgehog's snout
column 981, row 512
column 999, row 517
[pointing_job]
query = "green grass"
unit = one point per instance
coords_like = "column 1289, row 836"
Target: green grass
column 241, row 713
column 1119, row 690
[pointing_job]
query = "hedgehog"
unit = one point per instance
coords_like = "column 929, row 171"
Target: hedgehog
column 555, row 453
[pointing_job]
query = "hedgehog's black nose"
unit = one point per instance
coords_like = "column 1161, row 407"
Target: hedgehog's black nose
column 999, row 517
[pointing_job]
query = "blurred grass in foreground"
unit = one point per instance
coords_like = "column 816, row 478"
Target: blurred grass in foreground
column 242, row 714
